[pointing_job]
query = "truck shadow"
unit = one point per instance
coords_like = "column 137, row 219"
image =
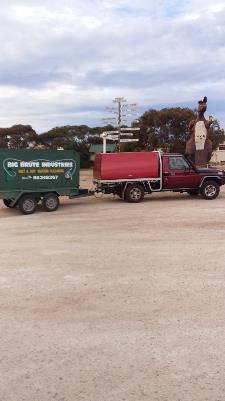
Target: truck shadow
column 165, row 198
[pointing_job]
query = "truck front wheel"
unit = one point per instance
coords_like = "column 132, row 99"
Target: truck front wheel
column 134, row 193
column 50, row 202
column 210, row 190
column 27, row 204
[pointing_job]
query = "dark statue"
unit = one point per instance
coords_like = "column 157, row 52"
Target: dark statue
column 199, row 146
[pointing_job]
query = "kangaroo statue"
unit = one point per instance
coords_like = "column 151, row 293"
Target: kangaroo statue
column 199, row 146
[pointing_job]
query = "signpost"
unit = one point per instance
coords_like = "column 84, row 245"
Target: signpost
column 122, row 111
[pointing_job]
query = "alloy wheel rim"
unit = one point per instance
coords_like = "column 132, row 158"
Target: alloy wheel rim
column 135, row 193
column 210, row 190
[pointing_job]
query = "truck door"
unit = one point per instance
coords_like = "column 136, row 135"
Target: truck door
column 177, row 173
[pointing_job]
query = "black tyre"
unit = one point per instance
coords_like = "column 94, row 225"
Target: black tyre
column 50, row 202
column 210, row 190
column 134, row 193
column 193, row 192
column 27, row 204
column 7, row 202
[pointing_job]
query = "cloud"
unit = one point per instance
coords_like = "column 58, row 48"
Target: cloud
column 63, row 62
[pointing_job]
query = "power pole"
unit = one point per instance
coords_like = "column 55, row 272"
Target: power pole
column 123, row 111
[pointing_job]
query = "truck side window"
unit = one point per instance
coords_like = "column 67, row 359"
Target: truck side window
column 177, row 163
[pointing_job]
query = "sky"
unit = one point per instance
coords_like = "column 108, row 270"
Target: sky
column 63, row 62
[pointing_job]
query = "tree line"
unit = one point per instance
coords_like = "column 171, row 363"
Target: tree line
column 165, row 129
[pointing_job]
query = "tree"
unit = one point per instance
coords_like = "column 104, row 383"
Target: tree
column 166, row 129
column 77, row 137
column 216, row 134
column 17, row 137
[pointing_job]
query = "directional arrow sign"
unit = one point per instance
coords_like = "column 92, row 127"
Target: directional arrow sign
column 130, row 105
column 129, row 140
column 127, row 133
column 113, row 137
column 128, row 129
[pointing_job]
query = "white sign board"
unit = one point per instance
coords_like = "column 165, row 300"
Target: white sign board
column 112, row 137
column 127, row 133
column 130, row 129
column 129, row 140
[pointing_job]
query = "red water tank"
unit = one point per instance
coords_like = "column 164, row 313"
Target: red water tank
column 122, row 166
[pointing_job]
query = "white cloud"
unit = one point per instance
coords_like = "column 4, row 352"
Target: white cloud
column 62, row 62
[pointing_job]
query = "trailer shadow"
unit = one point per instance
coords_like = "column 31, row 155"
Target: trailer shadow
column 6, row 212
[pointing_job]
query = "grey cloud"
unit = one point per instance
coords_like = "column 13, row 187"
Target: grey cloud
column 104, row 47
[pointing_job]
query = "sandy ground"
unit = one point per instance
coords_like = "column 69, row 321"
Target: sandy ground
column 108, row 301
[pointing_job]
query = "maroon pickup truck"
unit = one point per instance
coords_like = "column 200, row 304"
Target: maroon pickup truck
column 132, row 175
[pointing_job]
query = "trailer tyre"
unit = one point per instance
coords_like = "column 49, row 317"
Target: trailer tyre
column 210, row 190
column 27, row 204
column 134, row 193
column 50, row 202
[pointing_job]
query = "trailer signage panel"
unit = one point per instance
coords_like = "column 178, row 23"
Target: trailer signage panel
column 39, row 169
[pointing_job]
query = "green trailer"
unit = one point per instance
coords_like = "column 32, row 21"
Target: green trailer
column 31, row 176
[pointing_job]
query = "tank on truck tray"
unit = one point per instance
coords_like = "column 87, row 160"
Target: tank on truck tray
column 30, row 176
column 124, row 166
column 132, row 175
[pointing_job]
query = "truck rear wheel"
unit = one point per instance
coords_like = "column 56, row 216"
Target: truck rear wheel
column 50, row 202
column 27, row 204
column 210, row 190
column 134, row 193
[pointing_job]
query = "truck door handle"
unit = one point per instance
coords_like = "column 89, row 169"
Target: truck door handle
column 166, row 173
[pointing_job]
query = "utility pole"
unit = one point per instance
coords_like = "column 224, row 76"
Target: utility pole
column 123, row 111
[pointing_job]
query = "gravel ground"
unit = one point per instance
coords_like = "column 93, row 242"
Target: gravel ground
column 108, row 301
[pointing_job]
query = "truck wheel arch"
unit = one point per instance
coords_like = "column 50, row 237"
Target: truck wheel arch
column 212, row 178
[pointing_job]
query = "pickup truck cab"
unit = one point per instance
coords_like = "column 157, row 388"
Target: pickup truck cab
column 132, row 175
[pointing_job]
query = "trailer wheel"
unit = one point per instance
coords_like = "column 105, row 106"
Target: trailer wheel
column 27, row 204
column 50, row 202
column 210, row 190
column 7, row 203
column 134, row 193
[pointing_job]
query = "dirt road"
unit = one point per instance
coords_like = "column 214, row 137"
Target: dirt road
column 108, row 301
